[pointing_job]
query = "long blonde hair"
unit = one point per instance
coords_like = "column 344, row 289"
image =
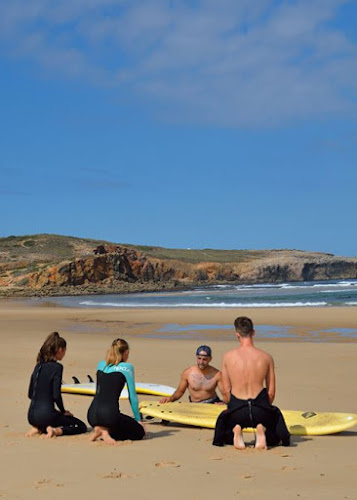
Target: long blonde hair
column 50, row 347
column 115, row 354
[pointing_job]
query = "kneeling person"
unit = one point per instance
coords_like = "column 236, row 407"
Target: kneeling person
column 104, row 414
column 201, row 380
column 249, row 376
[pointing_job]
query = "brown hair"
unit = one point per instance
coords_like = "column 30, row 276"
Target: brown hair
column 244, row 326
column 50, row 347
column 115, row 352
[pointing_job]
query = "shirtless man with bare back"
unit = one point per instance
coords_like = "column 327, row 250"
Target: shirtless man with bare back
column 249, row 377
column 201, row 380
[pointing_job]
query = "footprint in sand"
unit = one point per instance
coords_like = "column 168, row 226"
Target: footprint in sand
column 123, row 443
column 247, row 476
column 167, row 464
column 40, row 483
column 115, row 475
column 100, row 442
column 12, row 443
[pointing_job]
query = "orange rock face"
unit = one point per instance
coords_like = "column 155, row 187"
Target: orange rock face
column 112, row 264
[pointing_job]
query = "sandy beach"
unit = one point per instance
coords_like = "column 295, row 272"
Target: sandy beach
column 175, row 461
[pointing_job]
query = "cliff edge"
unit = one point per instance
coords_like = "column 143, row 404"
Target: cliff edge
column 50, row 264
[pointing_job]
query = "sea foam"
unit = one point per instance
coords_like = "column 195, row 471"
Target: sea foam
column 202, row 305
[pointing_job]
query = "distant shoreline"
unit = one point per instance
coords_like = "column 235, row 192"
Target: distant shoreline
column 132, row 288
column 73, row 291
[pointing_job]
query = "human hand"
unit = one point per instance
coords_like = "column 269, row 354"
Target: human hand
column 144, row 427
column 165, row 400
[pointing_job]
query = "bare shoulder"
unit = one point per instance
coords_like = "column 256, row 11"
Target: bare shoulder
column 188, row 371
column 266, row 355
column 215, row 371
column 229, row 354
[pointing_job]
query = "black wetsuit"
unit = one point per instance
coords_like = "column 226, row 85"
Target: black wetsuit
column 250, row 413
column 44, row 392
column 213, row 400
column 104, row 410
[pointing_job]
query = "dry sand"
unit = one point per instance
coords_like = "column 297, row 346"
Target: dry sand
column 175, row 462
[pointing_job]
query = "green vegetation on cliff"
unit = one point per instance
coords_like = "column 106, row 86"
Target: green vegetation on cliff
column 52, row 248
column 52, row 263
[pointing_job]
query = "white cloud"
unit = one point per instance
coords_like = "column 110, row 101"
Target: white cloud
column 227, row 63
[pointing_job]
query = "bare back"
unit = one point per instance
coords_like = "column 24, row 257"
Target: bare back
column 247, row 370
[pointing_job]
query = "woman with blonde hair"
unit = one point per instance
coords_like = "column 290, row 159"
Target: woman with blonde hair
column 45, row 392
column 104, row 413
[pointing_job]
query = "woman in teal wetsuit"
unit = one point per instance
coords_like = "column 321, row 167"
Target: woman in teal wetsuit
column 104, row 414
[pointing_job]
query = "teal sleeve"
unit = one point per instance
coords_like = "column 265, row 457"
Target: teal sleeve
column 101, row 365
column 127, row 369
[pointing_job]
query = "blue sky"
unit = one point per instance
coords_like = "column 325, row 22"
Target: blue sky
column 193, row 124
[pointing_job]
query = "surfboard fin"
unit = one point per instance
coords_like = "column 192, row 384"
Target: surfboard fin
column 75, row 380
column 90, row 378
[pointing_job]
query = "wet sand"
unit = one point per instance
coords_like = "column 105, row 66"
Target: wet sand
column 176, row 461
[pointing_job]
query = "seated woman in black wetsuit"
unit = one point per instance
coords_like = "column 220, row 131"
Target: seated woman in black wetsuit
column 45, row 391
column 104, row 414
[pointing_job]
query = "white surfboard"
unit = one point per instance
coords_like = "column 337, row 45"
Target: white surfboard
column 141, row 388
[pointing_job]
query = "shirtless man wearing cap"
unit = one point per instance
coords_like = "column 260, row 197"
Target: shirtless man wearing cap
column 201, row 380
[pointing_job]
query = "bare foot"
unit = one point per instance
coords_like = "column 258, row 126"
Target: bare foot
column 260, row 439
column 96, row 434
column 238, row 438
column 53, row 432
column 107, row 437
column 32, row 432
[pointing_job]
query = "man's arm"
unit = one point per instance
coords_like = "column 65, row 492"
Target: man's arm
column 226, row 383
column 270, row 380
column 179, row 391
column 221, row 387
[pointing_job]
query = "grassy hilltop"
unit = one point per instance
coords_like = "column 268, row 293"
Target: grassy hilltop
column 68, row 264
column 52, row 248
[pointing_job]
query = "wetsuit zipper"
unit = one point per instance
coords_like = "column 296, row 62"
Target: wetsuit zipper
column 35, row 383
column 250, row 412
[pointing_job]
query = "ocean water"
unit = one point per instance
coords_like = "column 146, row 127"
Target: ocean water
column 301, row 294
column 204, row 332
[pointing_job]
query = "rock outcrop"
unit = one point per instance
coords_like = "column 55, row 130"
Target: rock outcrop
column 65, row 265
column 112, row 264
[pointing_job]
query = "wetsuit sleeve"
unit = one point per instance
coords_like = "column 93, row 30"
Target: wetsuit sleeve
column 56, row 387
column 101, row 365
column 30, row 392
column 128, row 372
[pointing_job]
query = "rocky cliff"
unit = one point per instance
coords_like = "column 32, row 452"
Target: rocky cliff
column 125, row 265
column 118, row 268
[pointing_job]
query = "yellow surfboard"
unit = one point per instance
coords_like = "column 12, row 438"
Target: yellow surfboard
column 89, row 388
column 300, row 423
